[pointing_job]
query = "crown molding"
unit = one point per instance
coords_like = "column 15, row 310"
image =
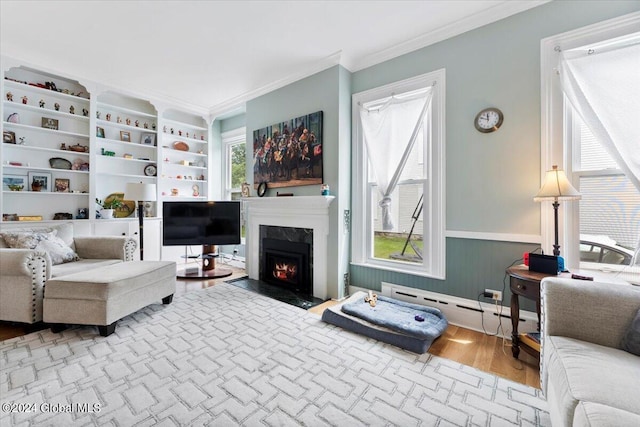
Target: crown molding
column 235, row 102
column 478, row 20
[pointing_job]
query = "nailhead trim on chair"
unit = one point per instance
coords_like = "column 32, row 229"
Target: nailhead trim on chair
column 130, row 246
column 33, row 263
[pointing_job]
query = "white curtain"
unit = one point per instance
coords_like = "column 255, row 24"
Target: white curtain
column 602, row 83
column 390, row 132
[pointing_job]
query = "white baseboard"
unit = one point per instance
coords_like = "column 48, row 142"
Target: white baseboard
column 461, row 312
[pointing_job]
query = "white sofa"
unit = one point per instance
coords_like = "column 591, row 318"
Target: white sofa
column 587, row 376
column 24, row 272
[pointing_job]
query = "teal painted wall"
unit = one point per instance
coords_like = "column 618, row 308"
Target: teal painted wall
column 329, row 92
column 232, row 123
column 491, row 178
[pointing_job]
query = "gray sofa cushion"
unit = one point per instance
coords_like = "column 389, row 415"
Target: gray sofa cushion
column 582, row 371
column 107, row 282
column 79, row 266
column 589, row 414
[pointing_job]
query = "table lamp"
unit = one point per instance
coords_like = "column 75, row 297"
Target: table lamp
column 556, row 187
column 142, row 193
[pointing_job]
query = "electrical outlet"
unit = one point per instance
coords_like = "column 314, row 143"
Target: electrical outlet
column 495, row 295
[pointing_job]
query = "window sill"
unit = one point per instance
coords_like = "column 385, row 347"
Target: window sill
column 400, row 270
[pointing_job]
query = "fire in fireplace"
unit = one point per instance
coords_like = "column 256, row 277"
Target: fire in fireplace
column 287, row 264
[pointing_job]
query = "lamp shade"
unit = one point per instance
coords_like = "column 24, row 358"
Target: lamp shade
column 140, row 192
column 556, row 186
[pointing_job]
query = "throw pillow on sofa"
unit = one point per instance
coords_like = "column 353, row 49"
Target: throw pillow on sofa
column 631, row 340
column 48, row 242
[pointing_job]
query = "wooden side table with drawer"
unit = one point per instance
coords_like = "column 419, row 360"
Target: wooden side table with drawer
column 523, row 283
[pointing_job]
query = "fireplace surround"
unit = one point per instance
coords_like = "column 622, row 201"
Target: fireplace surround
column 304, row 212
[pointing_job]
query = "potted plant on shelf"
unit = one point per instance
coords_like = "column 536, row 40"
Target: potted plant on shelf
column 107, row 207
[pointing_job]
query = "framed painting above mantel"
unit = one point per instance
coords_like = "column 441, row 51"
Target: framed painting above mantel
column 289, row 153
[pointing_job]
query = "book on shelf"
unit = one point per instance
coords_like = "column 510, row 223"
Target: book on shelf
column 531, row 339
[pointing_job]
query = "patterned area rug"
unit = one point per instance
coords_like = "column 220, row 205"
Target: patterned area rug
column 225, row 356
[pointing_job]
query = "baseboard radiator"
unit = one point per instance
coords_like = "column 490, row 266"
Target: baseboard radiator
column 461, row 311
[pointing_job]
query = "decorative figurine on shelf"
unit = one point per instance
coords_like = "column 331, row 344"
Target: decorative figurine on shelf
column 153, row 126
column 187, row 134
column 85, row 112
column 108, row 116
column 63, row 146
column 179, row 133
column 42, row 103
column 137, row 123
column 119, row 120
column 98, row 113
column 146, row 125
column 72, row 110
column 23, row 141
column 9, row 96
column 56, row 106
column 174, row 191
column 25, row 99
column 201, row 137
column 196, row 190
column 171, row 131
column 36, row 185
column 164, row 129
column 128, row 121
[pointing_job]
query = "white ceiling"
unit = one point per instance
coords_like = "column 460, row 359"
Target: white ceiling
column 212, row 56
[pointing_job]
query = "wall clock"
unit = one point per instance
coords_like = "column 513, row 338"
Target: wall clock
column 488, row 120
column 150, row 170
column 262, row 188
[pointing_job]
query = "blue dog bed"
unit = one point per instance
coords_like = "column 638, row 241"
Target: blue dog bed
column 390, row 321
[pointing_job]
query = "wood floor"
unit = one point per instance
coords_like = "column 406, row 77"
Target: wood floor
column 471, row 348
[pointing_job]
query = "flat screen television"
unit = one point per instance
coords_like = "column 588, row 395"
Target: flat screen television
column 200, row 223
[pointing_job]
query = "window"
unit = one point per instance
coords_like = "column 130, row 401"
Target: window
column 609, row 212
column 603, row 228
column 235, row 160
column 413, row 241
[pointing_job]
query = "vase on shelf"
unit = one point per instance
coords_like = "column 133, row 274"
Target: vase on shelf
column 106, row 213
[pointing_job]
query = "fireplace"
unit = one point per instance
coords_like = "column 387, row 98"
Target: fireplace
column 286, row 264
column 286, row 257
column 309, row 216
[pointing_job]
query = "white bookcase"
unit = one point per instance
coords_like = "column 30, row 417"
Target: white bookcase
column 47, row 127
column 125, row 145
column 109, row 139
column 184, row 151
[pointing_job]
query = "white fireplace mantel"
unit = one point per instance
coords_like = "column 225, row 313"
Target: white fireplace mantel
column 295, row 211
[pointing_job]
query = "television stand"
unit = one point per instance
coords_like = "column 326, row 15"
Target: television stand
column 207, row 269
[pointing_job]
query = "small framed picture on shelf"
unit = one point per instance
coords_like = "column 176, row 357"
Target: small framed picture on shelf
column 125, row 136
column 14, row 182
column 61, row 185
column 148, row 139
column 40, row 181
column 99, row 132
column 8, row 137
column 48, row 123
